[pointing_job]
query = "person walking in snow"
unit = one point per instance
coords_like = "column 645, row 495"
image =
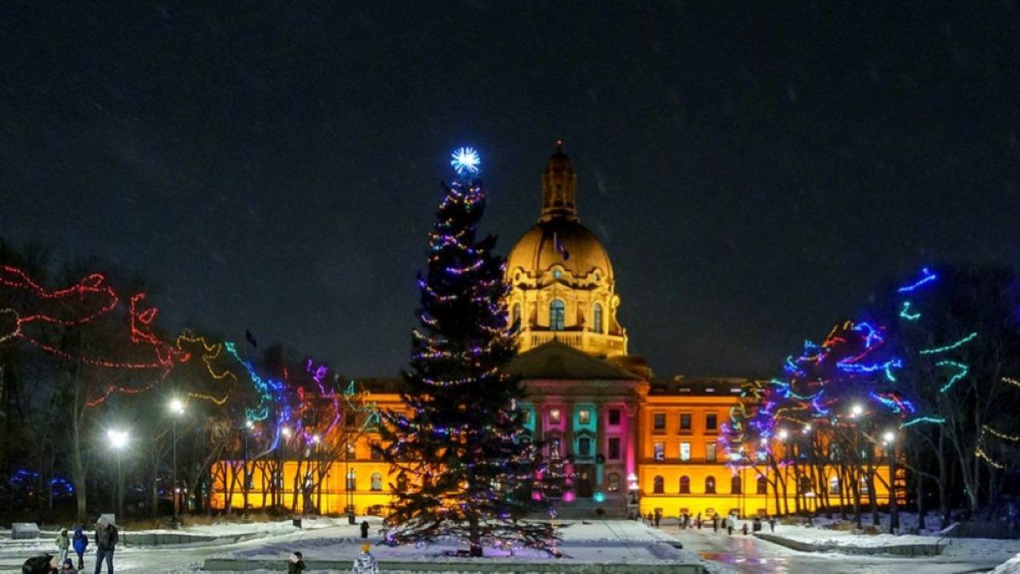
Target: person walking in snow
column 715, row 522
column 80, row 543
column 365, row 563
column 107, row 537
column 296, row 563
column 63, row 543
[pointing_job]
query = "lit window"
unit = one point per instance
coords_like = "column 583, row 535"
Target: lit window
column 685, row 422
column 556, row 313
column 660, row 450
column 614, row 448
column 613, row 482
column 614, row 417
column 350, row 451
column 584, row 416
column 352, row 480
column 554, row 448
column 376, row 481
column 710, row 485
column 710, row 452
column 685, row 485
column 515, row 318
column 554, row 416
column 763, row 485
column 685, row 451
column 659, row 487
column 711, row 422
column 834, row 485
column 597, row 318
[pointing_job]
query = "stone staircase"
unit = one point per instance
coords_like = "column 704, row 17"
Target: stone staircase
column 587, row 509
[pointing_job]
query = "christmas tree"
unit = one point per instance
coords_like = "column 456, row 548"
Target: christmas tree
column 466, row 467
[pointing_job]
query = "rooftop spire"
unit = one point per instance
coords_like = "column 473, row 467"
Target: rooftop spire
column 559, row 184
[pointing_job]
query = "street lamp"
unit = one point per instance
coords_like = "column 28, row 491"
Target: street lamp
column 118, row 441
column 856, row 411
column 176, row 410
column 248, row 424
column 889, row 440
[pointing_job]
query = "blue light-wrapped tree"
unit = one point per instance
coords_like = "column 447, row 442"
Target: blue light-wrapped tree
column 467, row 465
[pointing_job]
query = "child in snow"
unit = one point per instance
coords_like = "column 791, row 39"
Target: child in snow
column 365, row 563
column 63, row 543
column 296, row 563
column 80, row 543
column 68, row 567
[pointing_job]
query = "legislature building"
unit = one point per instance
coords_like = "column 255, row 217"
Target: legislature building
column 635, row 443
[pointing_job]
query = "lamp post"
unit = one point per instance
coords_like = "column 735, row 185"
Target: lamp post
column 248, row 424
column 889, row 440
column 118, row 441
column 176, row 410
column 855, row 412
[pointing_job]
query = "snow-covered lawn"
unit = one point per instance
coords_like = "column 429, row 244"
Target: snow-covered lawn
column 1011, row 566
column 619, row 541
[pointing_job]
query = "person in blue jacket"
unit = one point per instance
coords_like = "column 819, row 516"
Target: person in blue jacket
column 80, row 542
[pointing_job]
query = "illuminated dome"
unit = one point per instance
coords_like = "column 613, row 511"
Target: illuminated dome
column 562, row 283
column 563, row 243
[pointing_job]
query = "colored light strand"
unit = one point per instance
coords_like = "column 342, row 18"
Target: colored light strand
column 949, row 347
column 906, row 314
column 927, row 276
column 961, row 372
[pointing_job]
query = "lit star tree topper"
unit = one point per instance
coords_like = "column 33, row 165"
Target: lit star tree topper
column 466, row 161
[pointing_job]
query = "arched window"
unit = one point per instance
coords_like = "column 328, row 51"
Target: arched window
column 596, row 317
column 763, row 484
column 659, row 487
column 556, row 313
column 834, row 485
column 376, row 481
column 402, row 482
column 613, row 482
column 735, row 485
column 710, row 485
column 515, row 318
column 685, row 485
column 352, row 480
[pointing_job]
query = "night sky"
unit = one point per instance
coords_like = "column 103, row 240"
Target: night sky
column 756, row 172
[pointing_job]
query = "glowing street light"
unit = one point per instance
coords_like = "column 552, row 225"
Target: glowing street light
column 783, row 434
column 176, row 410
column 119, row 441
column 856, row 411
column 889, row 440
column 889, row 437
column 807, row 428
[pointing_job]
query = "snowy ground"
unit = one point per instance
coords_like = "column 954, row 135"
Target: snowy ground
column 1011, row 566
column 619, row 541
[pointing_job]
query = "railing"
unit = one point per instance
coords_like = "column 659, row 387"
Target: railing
column 599, row 342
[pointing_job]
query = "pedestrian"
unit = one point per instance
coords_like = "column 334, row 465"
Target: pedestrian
column 80, row 543
column 42, row 564
column 715, row 522
column 364, row 529
column 772, row 523
column 107, row 537
column 699, row 521
column 63, row 543
column 658, row 517
column 296, row 563
column 744, row 529
column 685, row 520
column 365, row 563
column 729, row 525
column 651, row 519
column 68, row 567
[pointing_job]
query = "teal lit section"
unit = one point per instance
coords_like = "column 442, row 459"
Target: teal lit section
column 529, row 416
column 581, row 410
column 585, row 426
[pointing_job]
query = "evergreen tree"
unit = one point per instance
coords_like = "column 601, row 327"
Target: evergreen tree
column 466, row 466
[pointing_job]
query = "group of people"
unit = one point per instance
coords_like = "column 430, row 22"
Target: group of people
column 365, row 563
column 106, row 539
column 727, row 523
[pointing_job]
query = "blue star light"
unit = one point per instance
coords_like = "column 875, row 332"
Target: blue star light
column 465, row 161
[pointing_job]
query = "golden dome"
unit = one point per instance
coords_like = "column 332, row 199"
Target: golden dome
column 563, row 242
